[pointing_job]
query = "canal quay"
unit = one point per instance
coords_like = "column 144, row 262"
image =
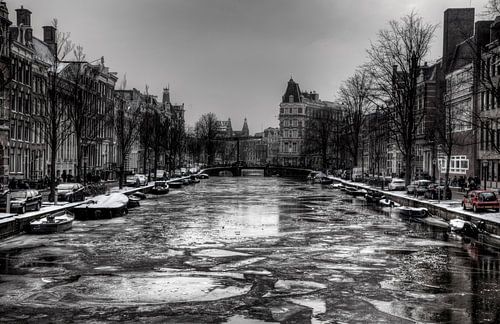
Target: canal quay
column 249, row 250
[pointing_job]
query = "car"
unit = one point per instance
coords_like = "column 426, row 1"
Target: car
column 70, row 192
column 143, row 180
column 136, row 180
column 131, row 181
column 418, row 187
column 396, row 184
column 481, row 199
column 434, row 189
column 24, row 200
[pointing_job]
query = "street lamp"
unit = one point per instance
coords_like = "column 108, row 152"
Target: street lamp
column 486, row 164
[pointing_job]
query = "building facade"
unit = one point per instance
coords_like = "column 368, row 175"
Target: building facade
column 296, row 110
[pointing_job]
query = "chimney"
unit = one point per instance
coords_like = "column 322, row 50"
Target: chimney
column 23, row 17
column 458, row 26
column 49, row 37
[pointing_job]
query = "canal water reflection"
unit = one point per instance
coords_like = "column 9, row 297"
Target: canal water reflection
column 250, row 250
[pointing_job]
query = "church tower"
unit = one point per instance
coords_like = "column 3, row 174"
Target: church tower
column 244, row 131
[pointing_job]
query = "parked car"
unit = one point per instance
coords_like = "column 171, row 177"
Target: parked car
column 143, row 180
column 418, row 187
column 70, row 192
column 24, row 200
column 481, row 199
column 136, row 180
column 434, row 189
column 397, row 184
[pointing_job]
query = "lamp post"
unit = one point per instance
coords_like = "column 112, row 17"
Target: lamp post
column 486, row 164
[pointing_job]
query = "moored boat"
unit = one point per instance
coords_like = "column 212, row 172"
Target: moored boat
column 463, row 227
column 55, row 223
column 133, row 201
column 415, row 212
column 385, row 202
column 175, row 184
column 356, row 192
column 373, row 196
column 336, row 186
column 103, row 206
column 160, row 188
column 139, row 194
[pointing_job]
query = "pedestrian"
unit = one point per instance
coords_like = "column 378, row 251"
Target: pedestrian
column 64, row 176
column 472, row 185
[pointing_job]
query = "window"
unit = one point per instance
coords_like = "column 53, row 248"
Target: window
column 294, row 149
column 458, row 164
column 300, row 110
column 294, row 123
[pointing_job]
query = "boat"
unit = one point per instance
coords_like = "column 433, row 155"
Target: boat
column 160, row 188
column 133, row 201
column 463, row 227
column 336, row 186
column 385, row 202
column 356, row 192
column 54, row 223
column 175, row 184
column 102, row 206
column 202, row 176
column 319, row 177
column 139, row 194
column 415, row 212
column 373, row 197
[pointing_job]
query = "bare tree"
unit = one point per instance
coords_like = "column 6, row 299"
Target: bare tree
column 356, row 103
column 320, row 134
column 206, row 131
column 126, row 125
column 492, row 8
column 55, row 122
column 395, row 59
column 177, row 137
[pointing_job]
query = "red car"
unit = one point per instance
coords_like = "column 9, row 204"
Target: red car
column 481, row 199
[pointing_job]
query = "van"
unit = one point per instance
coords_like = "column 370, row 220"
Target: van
column 357, row 174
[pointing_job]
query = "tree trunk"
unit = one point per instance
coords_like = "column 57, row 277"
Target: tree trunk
column 408, row 168
column 79, row 158
column 53, row 157
column 122, row 170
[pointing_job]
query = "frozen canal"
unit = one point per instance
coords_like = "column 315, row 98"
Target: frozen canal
column 249, row 250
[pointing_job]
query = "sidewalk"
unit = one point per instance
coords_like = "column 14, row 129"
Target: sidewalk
column 453, row 206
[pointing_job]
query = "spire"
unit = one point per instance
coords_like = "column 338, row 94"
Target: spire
column 244, row 130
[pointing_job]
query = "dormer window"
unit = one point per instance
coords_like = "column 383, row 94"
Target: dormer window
column 290, row 98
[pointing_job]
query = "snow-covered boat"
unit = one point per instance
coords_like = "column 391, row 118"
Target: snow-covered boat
column 336, row 186
column 55, row 223
column 133, row 201
column 464, row 227
column 103, row 206
column 385, row 202
column 160, row 188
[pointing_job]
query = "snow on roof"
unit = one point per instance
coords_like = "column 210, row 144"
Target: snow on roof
column 42, row 51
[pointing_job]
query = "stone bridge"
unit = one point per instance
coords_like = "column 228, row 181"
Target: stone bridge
column 268, row 171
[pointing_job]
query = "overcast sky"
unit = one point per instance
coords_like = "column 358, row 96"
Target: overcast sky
column 232, row 57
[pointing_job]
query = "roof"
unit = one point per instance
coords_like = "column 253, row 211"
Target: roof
column 292, row 89
column 42, row 51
